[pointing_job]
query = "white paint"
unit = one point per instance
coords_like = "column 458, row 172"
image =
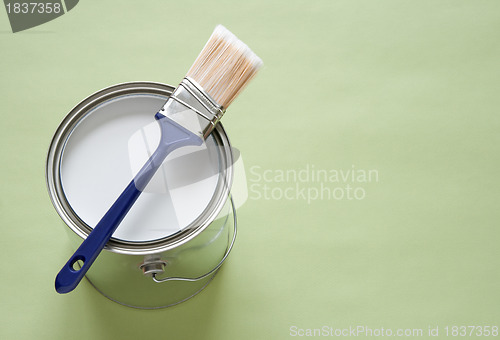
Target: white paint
column 107, row 148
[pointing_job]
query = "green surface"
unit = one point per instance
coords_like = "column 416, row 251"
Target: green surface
column 406, row 88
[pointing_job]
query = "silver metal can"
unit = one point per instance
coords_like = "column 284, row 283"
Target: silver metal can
column 179, row 232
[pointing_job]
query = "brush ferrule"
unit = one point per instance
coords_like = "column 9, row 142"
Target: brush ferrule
column 193, row 108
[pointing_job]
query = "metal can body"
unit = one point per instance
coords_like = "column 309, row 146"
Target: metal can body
column 166, row 269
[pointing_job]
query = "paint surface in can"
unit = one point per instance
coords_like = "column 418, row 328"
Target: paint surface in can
column 101, row 156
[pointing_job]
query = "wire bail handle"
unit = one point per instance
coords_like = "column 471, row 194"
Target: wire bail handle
column 157, row 267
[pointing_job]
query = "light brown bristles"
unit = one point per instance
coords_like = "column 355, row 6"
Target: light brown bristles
column 224, row 66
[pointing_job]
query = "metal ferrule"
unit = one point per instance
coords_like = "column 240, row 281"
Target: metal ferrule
column 193, row 108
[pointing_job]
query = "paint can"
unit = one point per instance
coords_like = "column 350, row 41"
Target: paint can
column 182, row 228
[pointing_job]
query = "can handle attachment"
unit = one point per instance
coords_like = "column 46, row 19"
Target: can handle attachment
column 213, row 270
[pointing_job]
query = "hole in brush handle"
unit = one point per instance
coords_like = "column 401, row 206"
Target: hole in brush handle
column 77, row 263
column 72, row 273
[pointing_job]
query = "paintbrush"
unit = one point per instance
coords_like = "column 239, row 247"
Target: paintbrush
column 222, row 70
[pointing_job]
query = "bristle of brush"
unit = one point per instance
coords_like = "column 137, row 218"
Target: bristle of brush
column 224, row 66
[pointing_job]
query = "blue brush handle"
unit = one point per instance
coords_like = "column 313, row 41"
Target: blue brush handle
column 173, row 136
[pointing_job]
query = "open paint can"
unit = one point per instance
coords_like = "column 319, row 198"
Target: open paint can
column 183, row 226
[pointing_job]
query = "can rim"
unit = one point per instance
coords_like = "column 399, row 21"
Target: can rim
column 78, row 226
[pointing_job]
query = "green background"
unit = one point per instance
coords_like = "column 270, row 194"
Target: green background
column 409, row 88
